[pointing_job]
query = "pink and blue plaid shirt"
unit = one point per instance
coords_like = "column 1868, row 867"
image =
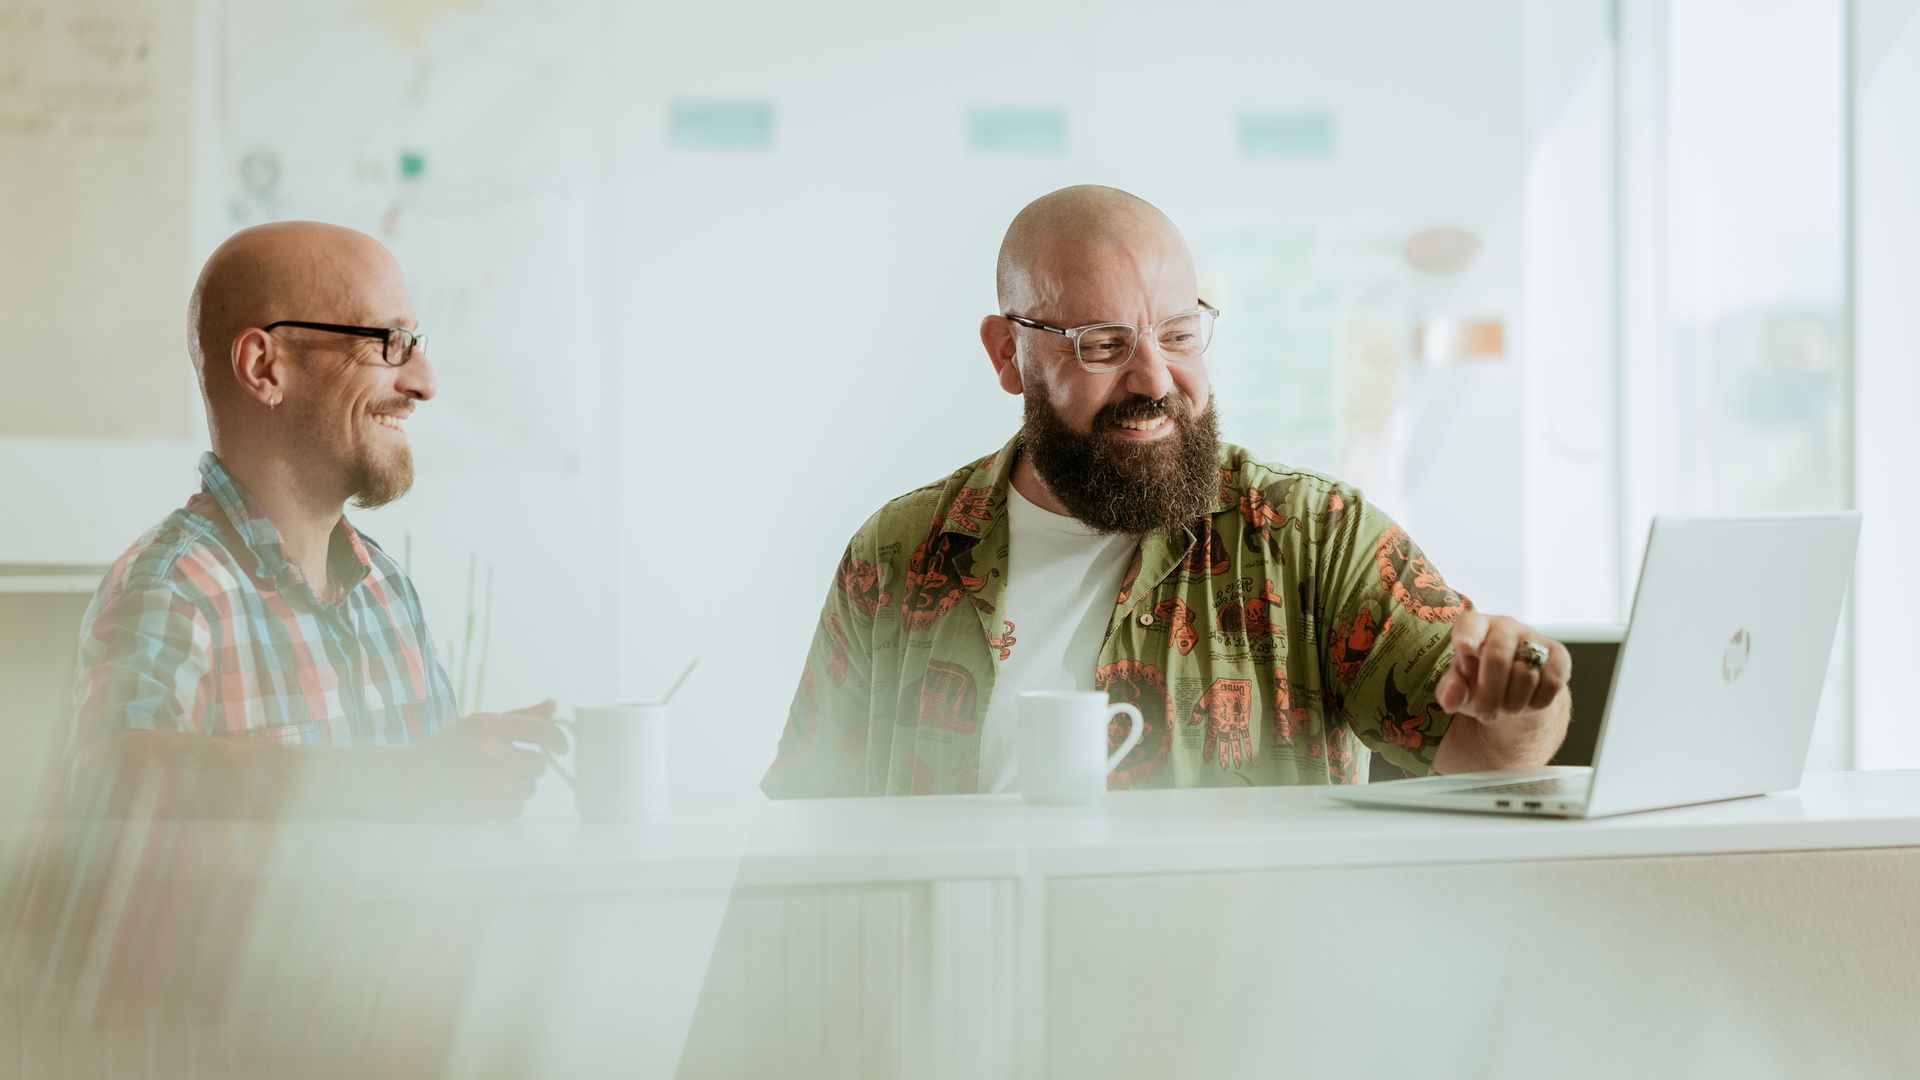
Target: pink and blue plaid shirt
column 204, row 626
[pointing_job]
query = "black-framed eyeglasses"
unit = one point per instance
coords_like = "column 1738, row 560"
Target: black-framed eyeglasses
column 1104, row 347
column 397, row 344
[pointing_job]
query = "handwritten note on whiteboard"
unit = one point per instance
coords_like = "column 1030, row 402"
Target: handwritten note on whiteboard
column 96, row 101
column 76, row 72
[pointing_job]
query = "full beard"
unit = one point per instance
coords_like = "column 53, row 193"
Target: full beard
column 1116, row 485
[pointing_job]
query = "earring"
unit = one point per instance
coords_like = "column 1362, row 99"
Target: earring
column 273, row 404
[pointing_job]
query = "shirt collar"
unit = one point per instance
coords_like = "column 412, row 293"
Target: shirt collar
column 983, row 498
column 346, row 555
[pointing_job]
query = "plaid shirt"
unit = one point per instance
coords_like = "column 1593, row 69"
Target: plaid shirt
column 204, row 626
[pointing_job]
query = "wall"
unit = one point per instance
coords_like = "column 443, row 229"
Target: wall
column 1886, row 340
column 797, row 327
column 98, row 416
column 674, row 380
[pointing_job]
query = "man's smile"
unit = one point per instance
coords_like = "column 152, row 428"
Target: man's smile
column 394, row 421
column 1145, row 428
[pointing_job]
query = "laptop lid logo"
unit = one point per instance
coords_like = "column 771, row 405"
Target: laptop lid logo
column 1739, row 651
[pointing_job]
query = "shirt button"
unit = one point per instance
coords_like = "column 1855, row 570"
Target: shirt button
column 1146, row 618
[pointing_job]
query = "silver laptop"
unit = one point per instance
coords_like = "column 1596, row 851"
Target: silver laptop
column 1717, row 682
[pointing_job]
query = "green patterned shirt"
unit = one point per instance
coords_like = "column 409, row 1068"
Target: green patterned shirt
column 1273, row 641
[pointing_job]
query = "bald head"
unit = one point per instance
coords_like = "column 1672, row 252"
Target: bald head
column 284, row 270
column 1067, row 227
column 315, row 413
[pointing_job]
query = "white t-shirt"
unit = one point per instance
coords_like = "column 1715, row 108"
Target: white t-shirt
column 1062, row 581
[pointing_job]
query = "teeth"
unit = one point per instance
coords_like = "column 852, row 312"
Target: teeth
column 389, row 420
column 1147, row 424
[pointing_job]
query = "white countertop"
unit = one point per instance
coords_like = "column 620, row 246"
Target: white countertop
column 1297, row 828
column 989, row 836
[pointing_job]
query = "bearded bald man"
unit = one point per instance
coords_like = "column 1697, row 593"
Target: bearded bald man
column 254, row 654
column 1272, row 625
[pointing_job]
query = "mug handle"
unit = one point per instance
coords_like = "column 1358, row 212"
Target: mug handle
column 554, row 762
column 1133, row 735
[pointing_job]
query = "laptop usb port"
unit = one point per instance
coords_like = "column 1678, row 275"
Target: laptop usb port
column 1531, row 805
column 1503, row 802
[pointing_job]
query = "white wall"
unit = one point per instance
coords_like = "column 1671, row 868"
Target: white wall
column 795, row 336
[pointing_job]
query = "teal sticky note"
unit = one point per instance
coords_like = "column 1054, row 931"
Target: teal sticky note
column 721, row 125
column 1017, row 130
column 1286, row 134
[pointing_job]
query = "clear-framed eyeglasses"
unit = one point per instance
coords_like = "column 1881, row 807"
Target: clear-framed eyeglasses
column 1104, row 347
column 397, row 343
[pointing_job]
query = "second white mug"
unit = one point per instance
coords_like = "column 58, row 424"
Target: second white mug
column 620, row 758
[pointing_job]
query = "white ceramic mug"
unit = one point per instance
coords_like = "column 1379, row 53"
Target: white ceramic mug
column 620, row 754
column 1063, row 744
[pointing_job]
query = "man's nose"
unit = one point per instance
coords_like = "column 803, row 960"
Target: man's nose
column 416, row 377
column 1147, row 374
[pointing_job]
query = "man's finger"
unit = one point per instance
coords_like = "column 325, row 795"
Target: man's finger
column 524, row 727
column 1452, row 691
column 1522, row 681
column 503, row 788
column 1554, row 677
column 1543, row 695
column 544, row 709
column 1465, row 673
column 524, row 764
column 1469, row 633
column 1496, row 665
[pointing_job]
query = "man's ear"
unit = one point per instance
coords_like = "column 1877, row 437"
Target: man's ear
column 257, row 367
column 996, row 333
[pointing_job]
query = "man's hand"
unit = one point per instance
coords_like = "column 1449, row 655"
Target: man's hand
column 1506, row 712
column 472, row 769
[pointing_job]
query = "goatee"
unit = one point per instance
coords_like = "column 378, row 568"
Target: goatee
column 377, row 483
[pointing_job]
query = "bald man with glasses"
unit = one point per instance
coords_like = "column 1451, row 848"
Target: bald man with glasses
column 254, row 654
column 1272, row 625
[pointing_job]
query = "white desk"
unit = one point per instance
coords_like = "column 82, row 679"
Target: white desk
column 1217, row 933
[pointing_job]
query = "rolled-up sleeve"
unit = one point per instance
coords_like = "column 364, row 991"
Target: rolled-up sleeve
column 1390, row 636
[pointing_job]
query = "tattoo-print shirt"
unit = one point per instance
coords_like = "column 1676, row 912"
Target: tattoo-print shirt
column 205, row 626
column 1274, row 641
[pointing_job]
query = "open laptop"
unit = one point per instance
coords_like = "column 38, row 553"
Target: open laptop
column 1717, row 683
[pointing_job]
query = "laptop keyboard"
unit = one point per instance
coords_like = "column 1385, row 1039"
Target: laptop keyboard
column 1552, row 785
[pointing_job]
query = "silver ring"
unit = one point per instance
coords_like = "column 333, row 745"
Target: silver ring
column 1533, row 654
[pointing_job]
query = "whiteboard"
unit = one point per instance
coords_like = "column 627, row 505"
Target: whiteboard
column 465, row 135
column 96, row 104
